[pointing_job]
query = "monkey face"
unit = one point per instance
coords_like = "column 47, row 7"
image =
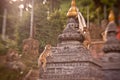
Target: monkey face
column 48, row 46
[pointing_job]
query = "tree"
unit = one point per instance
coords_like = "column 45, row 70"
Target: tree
column 47, row 30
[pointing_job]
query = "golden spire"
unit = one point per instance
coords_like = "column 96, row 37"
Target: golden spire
column 73, row 10
column 111, row 16
column 73, row 3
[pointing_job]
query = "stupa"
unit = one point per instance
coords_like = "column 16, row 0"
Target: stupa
column 71, row 60
column 111, row 59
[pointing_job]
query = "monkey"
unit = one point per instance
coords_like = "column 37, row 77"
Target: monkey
column 104, row 35
column 87, row 40
column 42, row 58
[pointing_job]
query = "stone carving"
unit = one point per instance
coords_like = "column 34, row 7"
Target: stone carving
column 30, row 46
column 13, row 61
column 12, row 55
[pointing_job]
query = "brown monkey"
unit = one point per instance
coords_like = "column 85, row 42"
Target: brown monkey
column 42, row 58
column 104, row 35
column 87, row 40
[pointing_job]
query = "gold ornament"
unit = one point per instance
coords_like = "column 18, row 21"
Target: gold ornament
column 111, row 16
column 73, row 10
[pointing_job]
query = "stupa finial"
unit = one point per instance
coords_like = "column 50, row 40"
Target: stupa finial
column 73, row 10
column 111, row 16
column 73, row 3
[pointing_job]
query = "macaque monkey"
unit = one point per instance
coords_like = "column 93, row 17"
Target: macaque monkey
column 42, row 58
column 87, row 40
column 104, row 35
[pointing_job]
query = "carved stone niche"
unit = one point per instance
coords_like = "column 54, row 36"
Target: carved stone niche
column 70, row 59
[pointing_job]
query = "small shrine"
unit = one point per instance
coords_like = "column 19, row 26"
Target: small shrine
column 71, row 60
column 111, row 59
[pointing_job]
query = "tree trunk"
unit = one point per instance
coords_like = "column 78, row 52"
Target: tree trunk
column 4, row 24
column 32, row 17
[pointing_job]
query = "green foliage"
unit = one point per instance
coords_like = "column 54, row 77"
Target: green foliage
column 9, row 74
column 22, row 29
column 57, row 22
column 63, row 7
column 6, row 44
column 2, row 47
column 109, row 2
column 47, row 29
